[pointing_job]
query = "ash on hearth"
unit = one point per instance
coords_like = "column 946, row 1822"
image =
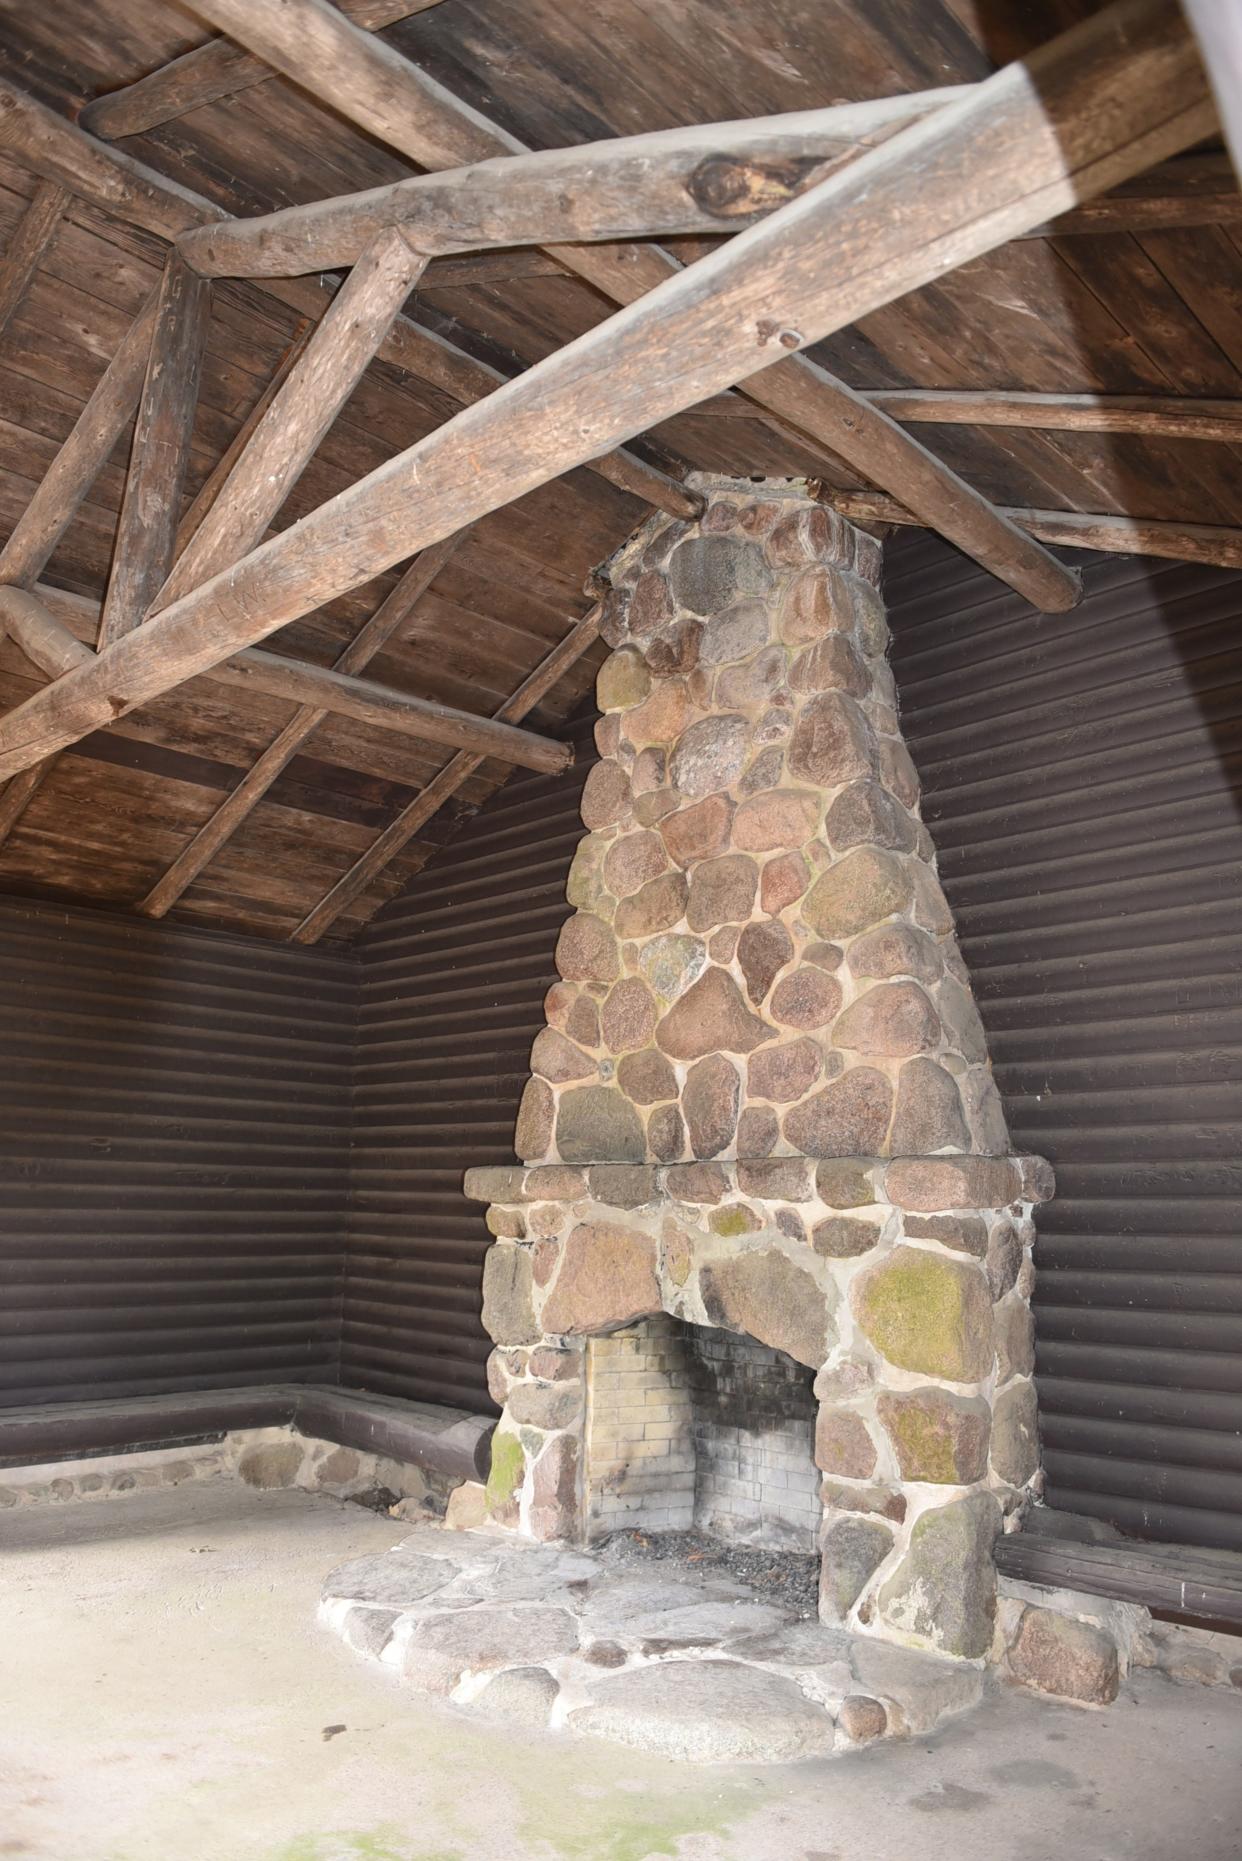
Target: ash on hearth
column 789, row 1578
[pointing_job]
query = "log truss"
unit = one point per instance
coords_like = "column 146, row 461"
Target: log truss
column 831, row 214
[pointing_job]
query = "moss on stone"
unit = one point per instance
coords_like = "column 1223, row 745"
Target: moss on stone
column 508, row 1464
column 734, row 1220
column 928, row 1315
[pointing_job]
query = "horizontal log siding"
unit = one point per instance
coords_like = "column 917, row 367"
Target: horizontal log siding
column 453, row 976
column 1082, row 783
column 173, row 1160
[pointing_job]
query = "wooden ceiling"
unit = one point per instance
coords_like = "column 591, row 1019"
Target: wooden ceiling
column 1152, row 313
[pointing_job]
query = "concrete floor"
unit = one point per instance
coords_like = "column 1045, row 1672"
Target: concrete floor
column 166, row 1694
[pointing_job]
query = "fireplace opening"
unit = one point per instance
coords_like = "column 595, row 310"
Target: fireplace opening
column 694, row 1429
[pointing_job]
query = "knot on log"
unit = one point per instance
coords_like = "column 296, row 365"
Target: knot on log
column 732, row 189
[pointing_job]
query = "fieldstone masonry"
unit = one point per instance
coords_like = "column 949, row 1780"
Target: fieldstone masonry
column 762, row 1100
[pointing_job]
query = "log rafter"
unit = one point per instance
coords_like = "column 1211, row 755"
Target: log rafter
column 370, row 82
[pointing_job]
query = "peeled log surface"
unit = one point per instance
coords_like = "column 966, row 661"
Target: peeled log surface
column 712, row 178
column 1098, row 104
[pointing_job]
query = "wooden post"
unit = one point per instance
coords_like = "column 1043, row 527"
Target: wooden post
column 401, row 831
column 151, row 507
column 1084, row 112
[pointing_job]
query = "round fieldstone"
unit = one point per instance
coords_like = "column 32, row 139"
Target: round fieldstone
column 582, row 1022
column 597, row 1124
column 709, row 1103
column 861, row 1719
column 698, row 831
column 651, row 605
column 848, row 1118
column 1015, row 1339
column 656, row 906
column 666, row 1134
column 765, row 771
column 606, row 797
column 931, row 907
column 967, row 1233
column 937, row 1437
column 864, row 814
column 606, row 1279
column 557, row 1059
column 783, row 1073
column 928, row 1115
column 765, row 1296
column 735, row 634
column 708, row 1712
column 758, row 1132
column 962, row 1026
column 851, row 1551
column 776, row 820
column 628, row 1017
column 927, row 1314
column 897, row 771
column 607, row 734
column 832, row 664
column 586, row 950
column 519, row 1695
column 1004, row 1258
column 633, row 860
column 646, row 1077
column 843, row 1444
column 1057, row 1655
column 1015, row 1434
column 584, row 887
column 857, row 892
column 709, row 755
column 532, row 1137
column 843, row 1184
column 844, row 1237
column 671, row 963
column 944, row 1589
column 650, row 771
column 722, row 891
column 785, row 879
column 661, row 717
column 675, row 648
column 832, row 741
column 754, row 683
column 508, row 1295
column 711, row 1017
column 707, row 573
column 807, row 998
column 815, row 602
column 545, row 1405
column 893, row 1019
column 623, row 680
column 896, row 950
column 763, row 950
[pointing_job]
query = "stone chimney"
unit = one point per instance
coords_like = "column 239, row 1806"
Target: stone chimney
column 762, row 1101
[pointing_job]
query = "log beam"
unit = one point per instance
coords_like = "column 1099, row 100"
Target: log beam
column 116, row 184
column 1083, row 113
column 56, row 650
column 310, row 42
column 25, row 250
column 392, row 614
column 1156, row 416
column 151, row 507
column 1215, row 544
column 714, row 178
column 291, row 429
column 399, row 832
column 210, row 73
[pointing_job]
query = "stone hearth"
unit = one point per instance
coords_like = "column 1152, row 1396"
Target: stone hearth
column 762, row 1108
column 689, row 1665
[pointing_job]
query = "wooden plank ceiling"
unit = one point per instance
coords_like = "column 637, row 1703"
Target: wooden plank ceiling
column 1148, row 313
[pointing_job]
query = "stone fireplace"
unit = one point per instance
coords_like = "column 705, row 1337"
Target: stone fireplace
column 765, row 1266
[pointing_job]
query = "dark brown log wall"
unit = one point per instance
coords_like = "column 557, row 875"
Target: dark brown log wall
column 1083, row 782
column 453, row 976
column 173, row 1157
